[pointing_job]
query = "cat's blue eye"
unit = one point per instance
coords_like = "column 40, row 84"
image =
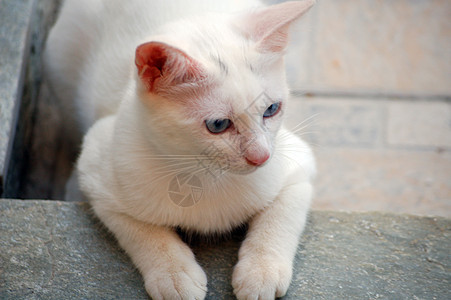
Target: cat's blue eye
column 218, row 126
column 271, row 110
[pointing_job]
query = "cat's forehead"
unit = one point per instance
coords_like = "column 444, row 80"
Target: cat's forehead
column 218, row 42
column 250, row 90
column 236, row 97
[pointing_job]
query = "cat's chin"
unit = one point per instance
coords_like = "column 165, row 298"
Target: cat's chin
column 246, row 171
column 243, row 169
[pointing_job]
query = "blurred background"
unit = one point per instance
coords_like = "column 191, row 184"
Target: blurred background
column 371, row 80
column 371, row 90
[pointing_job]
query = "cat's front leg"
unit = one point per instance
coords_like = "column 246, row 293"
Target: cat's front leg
column 167, row 264
column 265, row 263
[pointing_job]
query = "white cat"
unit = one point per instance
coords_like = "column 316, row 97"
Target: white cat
column 188, row 93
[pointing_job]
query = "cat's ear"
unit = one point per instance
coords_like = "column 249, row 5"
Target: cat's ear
column 161, row 67
column 269, row 26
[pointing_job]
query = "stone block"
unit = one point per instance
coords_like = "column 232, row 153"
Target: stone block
column 337, row 122
column 400, row 181
column 419, row 124
column 377, row 47
column 384, row 155
column 58, row 250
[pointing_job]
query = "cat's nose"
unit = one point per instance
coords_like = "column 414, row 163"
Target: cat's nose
column 257, row 160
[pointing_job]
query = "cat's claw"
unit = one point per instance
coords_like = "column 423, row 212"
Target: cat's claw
column 261, row 278
column 187, row 282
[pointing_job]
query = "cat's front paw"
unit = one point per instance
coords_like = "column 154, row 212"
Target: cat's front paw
column 185, row 280
column 261, row 277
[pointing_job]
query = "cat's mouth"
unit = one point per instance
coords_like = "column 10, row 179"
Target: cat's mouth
column 251, row 163
column 243, row 164
column 247, row 166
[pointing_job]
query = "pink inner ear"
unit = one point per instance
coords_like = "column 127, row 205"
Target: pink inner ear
column 150, row 59
column 161, row 66
column 269, row 26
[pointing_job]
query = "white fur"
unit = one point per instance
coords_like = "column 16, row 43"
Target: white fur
column 122, row 167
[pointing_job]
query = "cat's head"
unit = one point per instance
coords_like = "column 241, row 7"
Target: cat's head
column 215, row 86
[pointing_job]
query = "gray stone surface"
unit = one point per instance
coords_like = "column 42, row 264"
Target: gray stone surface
column 15, row 17
column 57, row 250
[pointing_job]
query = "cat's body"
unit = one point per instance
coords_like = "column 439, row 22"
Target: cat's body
column 150, row 110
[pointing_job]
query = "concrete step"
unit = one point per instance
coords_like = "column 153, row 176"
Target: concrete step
column 58, row 250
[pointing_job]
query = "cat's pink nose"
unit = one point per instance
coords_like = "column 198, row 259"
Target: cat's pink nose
column 257, row 160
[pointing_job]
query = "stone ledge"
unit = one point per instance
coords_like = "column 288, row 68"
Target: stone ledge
column 58, row 250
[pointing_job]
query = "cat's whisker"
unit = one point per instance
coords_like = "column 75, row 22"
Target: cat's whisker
column 297, row 147
column 177, row 156
column 181, row 167
column 199, row 171
column 305, row 121
column 224, row 173
column 300, row 132
column 174, row 173
column 290, row 159
column 288, row 136
column 174, row 168
column 169, row 156
column 301, row 126
column 294, row 152
column 299, row 150
column 310, row 143
column 296, row 132
column 174, row 157
column 184, row 155
column 175, row 161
